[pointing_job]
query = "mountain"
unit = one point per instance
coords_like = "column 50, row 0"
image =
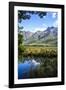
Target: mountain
column 26, row 34
column 48, row 36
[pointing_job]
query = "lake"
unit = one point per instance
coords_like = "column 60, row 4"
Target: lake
column 37, row 67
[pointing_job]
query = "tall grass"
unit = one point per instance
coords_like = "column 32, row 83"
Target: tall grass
column 40, row 51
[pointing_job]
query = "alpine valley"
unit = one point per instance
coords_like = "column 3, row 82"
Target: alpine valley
column 47, row 37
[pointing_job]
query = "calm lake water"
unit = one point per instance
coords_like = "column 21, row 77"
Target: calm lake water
column 37, row 67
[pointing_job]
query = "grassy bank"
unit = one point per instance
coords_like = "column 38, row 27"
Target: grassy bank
column 40, row 51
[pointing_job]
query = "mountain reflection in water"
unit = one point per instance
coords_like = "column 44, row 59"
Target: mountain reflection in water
column 41, row 67
column 25, row 68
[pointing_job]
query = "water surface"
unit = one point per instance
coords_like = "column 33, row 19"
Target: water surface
column 37, row 67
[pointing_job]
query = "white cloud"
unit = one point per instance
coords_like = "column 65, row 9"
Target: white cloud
column 39, row 29
column 44, row 25
column 54, row 15
column 55, row 24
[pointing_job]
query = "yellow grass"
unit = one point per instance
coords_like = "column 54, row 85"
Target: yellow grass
column 45, row 51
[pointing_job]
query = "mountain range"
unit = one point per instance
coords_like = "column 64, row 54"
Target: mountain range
column 48, row 36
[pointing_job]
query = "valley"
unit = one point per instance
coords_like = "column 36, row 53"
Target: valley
column 47, row 37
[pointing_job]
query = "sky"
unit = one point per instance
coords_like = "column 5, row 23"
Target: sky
column 35, row 23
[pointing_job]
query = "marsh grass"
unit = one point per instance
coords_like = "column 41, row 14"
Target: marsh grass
column 40, row 51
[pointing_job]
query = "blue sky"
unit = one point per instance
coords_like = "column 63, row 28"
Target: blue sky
column 35, row 23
